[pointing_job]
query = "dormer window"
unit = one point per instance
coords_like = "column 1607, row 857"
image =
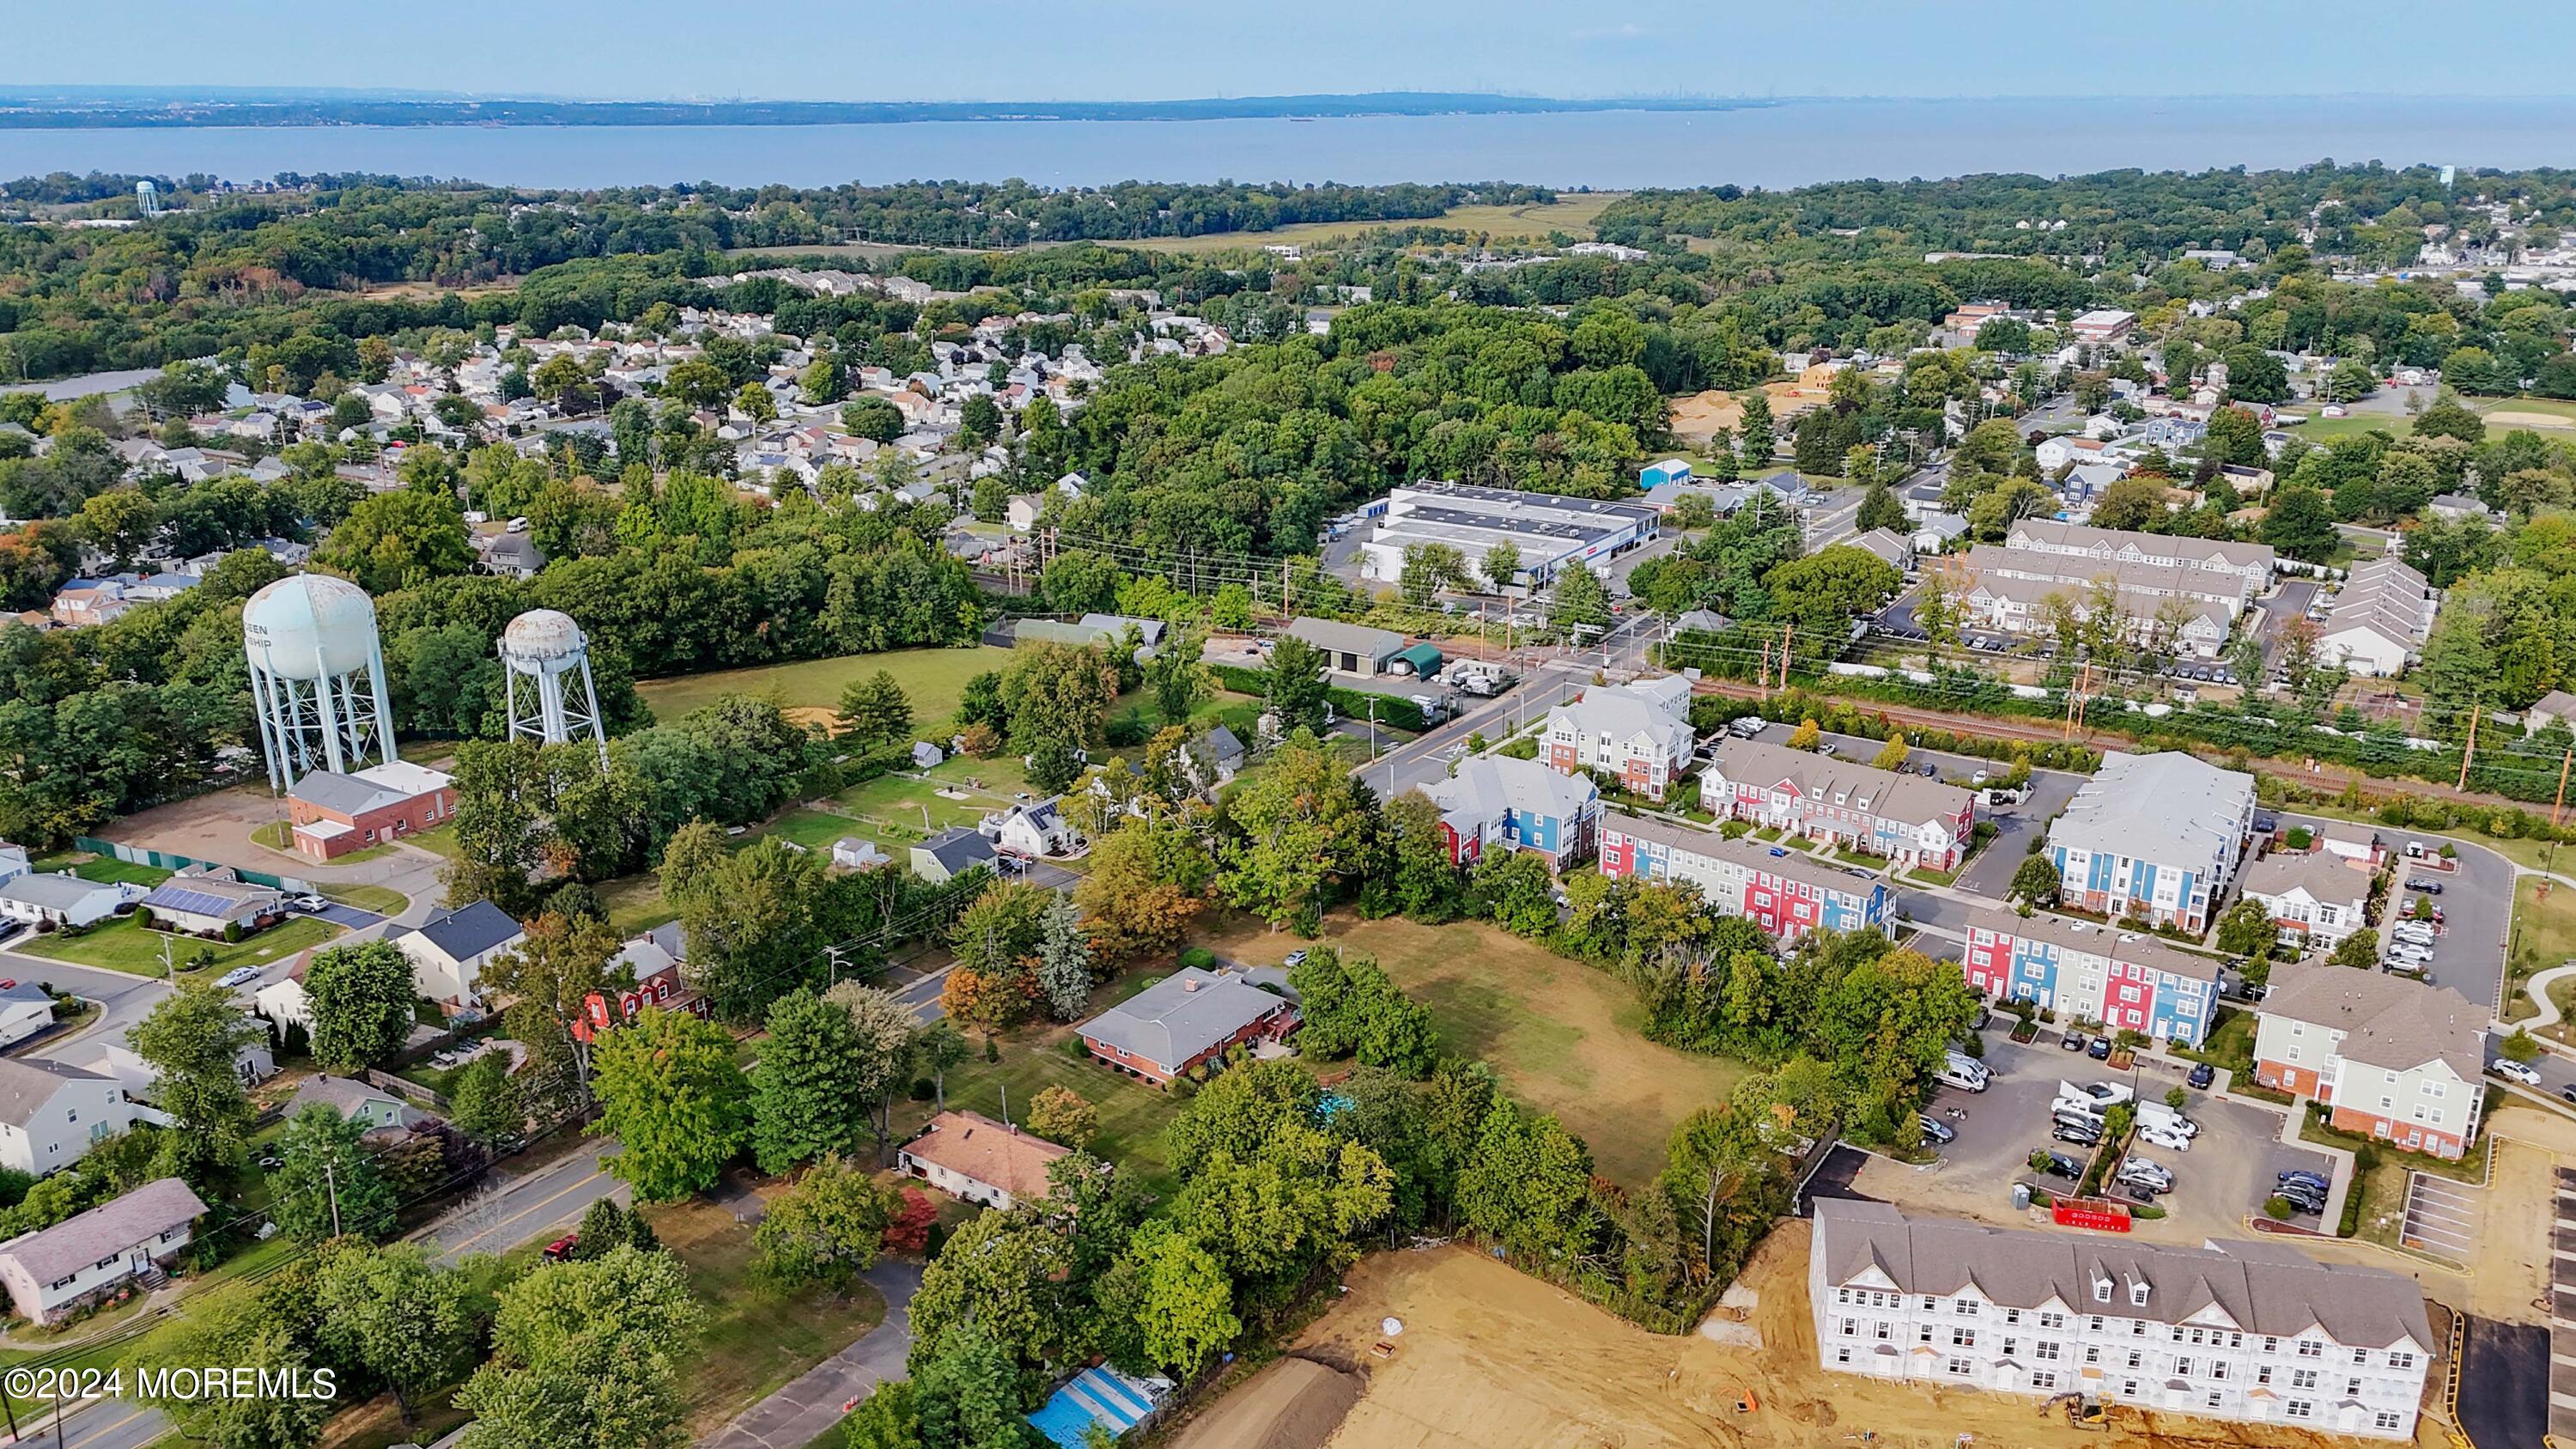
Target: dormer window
column 2138, row 1293
column 2101, row 1290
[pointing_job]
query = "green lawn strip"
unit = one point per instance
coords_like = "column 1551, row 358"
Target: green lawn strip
column 635, row 904
column 2470, row 1169
column 935, row 679
column 106, row 869
column 1132, row 1113
column 124, row 945
column 383, row 900
column 440, row 841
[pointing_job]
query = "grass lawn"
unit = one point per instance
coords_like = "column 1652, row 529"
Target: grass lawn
column 899, row 809
column 2470, row 1169
column 1571, row 214
column 1564, row 1038
column 104, row 868
column 122, row 1348
column 934, row 678
column 1935, row 877
column 1132, row 1114
column 383, row 900
column 635, row 904
column 2544, row 926
column 757, row 1338
column 439, row 842
column 279, row 835
column 124, row 945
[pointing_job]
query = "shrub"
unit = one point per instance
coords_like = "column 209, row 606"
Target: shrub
column 923, row 1089
column 1199, row 958
column 2277, row 1208
column 2299, row 838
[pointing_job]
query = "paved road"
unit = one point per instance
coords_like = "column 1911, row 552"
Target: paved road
column 124, row 997
column 806, row 1409
column 2476, row 902
column 2289, row 602
column 515, row 1209
column 1546, row 683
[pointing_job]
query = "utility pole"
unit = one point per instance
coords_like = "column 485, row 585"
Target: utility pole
column 1788, row 632
column 2477, row 708
column 331, row 1184
column 2561, row 802
column 1765, row 681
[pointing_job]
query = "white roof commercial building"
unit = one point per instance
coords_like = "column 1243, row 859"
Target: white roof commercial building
column 2246, row 1331
column 1549, row 529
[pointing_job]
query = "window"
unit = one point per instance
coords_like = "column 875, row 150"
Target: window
column 2309, row 1349
column 2052, row 1320
column 2271, row 1344
column 1850, row 1327
column 2137, row 1295
column 1963, row 1338
column 2216, row 1396
column 2401, row 1360
column 2182, row 1368
column 2304, row 1379
column 2101, row 1290
column 107, row 1262
column 62, row 1282
column 2092, row 1353
column 2043, row 1381
column 2136, row 1360
column 2386, row 1420
column 1842, row 1355
column 2361, row 1355
column 2302, row 1409
column 2012, row 1315
column 1959, row 1368
column 2048, row 1352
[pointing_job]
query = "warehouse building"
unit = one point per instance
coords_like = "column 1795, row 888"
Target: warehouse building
column 1549, row 529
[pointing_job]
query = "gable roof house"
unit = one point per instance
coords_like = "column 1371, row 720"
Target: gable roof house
column 354, row 1101
column 25, row 1010
column 1185, row 1020
column 972, row 1157
column 54, row 1271
column 950, row 854
column 1498, row 802
column 449, row 951
column 2315, row 897
column 56, row 900
column 52, row 1114
column 2391, row 1058
column 208, row 903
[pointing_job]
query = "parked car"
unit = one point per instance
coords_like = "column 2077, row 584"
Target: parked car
column 2160, row 1135
column 2514, row 1071
column 2303, row 1199
column 2202, row 1075
column 561, row 1248
column 1294, row 958
column 2427, row 887
column 2057, row 1164
column 2314, row 1180
column 237, row 976
column 2073, row 1041
column 2266, row 824
column 2100, row 1050
column 2079, row 1136
column 2140, row 1172
column 312, row 903
column 2568, row 1092
column 1937, row 1131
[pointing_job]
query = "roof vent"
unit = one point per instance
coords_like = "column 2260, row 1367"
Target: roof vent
column 1190, row 983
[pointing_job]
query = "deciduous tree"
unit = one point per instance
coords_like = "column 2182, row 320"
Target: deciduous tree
column 670, row 1094
column 801, row 1103
column 361, row 1003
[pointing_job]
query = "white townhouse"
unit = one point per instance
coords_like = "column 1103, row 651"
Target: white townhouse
column 2379, row 620
column 1638, row 732
column 2248, row 1331
column 2315, row 897
column 2389, row 1057
column 2156, row 836
column 2250, row 563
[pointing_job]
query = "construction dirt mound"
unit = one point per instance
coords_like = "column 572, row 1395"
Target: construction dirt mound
column 1295, row 1403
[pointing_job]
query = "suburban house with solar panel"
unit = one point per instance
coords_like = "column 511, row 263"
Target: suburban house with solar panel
column 1784, row 891
column 449, row 951
column 1186, row 1019
column 2249, row 1331
column 87, row 1257
column 2153, row 836
column 971, row 1157
column 211, row 901
column 335, row 814
column 51, row 1115
column 2126, row 980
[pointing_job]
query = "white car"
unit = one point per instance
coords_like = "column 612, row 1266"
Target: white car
column 2160, row 1136
column 237, row 976
column 2514, row 1071
column 310, row 903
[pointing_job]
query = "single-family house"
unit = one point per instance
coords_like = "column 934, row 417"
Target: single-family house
column 969, row 1156
column 851, row 852
column 2556, row 707
column 58, row 900
column 25, row 1010
column 1188, row 1019
column 449, row 950
column 950, row 854
column 54, row 1271
column 13, row 861
column 204, row 902
column 646, row 971
column 352, row 1100
column 1033, row 828
column 51, row 1115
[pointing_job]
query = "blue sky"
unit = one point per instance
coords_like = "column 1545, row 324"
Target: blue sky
column 1120, row 49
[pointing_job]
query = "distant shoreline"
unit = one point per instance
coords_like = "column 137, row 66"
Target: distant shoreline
column 23, row 111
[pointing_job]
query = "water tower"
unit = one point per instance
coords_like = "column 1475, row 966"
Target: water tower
column 147, row 198
column 317, row 676
column 547, row 646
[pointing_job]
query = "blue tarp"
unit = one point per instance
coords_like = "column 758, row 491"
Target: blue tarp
column 1095, row 1395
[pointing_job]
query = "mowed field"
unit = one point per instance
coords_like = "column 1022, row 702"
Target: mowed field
column 935, row 678
column 1563, row 1037
column 1569, row 213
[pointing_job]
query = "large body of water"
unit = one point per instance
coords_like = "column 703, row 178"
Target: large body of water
column 1785, row 145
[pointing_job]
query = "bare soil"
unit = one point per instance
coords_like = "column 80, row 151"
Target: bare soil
column 1695, row 419
column 1493, row 1359
column 1295, row 1403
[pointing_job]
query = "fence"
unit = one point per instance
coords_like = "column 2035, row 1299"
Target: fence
column 164, row 860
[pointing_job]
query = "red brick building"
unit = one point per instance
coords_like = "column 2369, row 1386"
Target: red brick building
column 334, row 814
column 650, row 966
column 1189, row 1017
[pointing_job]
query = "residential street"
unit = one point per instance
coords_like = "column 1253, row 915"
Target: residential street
column 806, row 1409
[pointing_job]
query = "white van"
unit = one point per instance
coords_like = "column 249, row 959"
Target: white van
column 1963, row 1072
column 2165, row 1119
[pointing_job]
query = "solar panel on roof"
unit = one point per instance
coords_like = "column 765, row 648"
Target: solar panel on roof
column 196, row 903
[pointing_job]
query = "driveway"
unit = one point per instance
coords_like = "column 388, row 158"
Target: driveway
column 2476, row 902
column 807, row 1408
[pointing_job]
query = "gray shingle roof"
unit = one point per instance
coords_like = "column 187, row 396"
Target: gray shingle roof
column 2168, row 808
column 53, row 891
column 1344, row 638
column 1846, row 783
column 468, row 930
column 27, row 1085
column 2134, row 947
column 1182, row 1015
column 2325, row 875
column 139, row 1217
column 1490, row 784
column 343, row 794
column 2260, row 1287
column 959, row 848
column 2387, row 1021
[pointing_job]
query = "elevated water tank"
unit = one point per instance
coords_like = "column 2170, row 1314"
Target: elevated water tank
column 309, row 626
column 543, row 639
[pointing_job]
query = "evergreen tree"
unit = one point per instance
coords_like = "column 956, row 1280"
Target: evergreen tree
column 1759, row 438
column 1879, row 508
column 1064, row 960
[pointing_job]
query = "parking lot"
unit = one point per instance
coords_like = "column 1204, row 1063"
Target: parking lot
column 2223, row 1178
column 2476, row 900
column 2441, row 1216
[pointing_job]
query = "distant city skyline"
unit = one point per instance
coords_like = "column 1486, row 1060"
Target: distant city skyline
column 1166, row 49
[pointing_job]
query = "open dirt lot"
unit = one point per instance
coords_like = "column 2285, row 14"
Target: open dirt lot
column 1695, row 419
column 2522, row 419
column 1492, row 1359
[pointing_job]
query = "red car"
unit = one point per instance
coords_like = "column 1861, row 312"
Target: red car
column 561, row 1248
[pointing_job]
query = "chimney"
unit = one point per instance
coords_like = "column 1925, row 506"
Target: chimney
column 1190, row 983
